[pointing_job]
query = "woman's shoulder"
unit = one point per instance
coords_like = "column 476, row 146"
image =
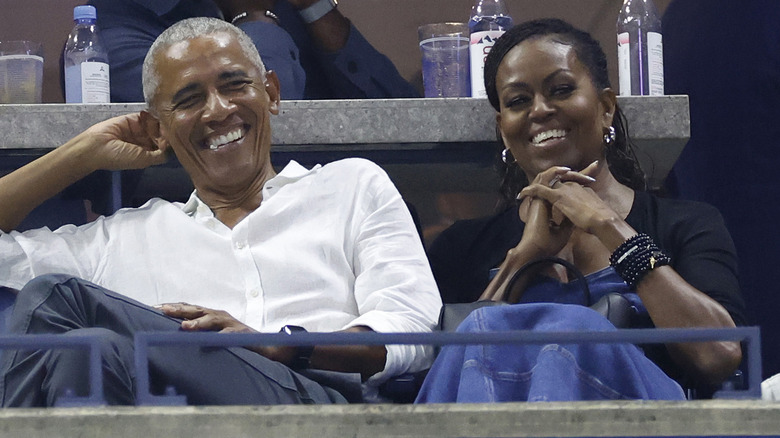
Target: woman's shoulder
column 654, row 210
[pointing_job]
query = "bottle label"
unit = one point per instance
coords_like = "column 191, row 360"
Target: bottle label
column 481, row 43
column 95, row 84
column 655, row 63
column 624, row 64
column 641, row 66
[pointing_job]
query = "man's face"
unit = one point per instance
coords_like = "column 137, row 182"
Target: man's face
column 214, row 110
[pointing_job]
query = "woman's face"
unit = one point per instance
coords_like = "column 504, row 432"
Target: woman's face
column 551, row 114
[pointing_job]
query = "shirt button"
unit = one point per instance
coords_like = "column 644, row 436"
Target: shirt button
column 240, row 245
column 254, row 293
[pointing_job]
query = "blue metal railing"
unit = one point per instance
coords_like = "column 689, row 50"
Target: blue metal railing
column 750, row 336
column 53, row 342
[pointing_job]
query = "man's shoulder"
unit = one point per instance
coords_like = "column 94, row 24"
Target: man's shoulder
column 352, row 170
column 151, row 207
column 353, row 165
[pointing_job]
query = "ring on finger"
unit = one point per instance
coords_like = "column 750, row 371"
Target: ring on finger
column 556, row 179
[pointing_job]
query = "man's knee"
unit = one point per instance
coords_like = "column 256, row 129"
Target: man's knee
column 114, row 348
column 45, row 282
column 40, row 288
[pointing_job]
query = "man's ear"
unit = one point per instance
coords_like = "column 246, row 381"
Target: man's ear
column 151, row 125
column 273, row 90
column 609, row 102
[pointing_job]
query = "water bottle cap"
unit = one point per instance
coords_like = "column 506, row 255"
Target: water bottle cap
column 84, row 12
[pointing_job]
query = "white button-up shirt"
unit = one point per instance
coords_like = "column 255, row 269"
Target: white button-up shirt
column 330, row 248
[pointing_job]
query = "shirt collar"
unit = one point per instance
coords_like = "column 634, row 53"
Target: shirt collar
column 291, row 173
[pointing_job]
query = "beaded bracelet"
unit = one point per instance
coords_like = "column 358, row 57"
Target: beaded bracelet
column 268, row 14
column 636, row 257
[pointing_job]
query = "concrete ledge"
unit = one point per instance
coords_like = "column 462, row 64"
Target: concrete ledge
column 344, row 122
column 659, row 126
column 574, row 419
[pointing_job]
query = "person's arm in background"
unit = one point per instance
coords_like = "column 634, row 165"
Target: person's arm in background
column 129, row 28
column 337, row 60
column 352, row 66
column 276, row 46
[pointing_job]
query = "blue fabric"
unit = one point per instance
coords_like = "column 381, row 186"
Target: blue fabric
column 7, row 298
column 553, row 372
column 356, row 71
column 548, row 290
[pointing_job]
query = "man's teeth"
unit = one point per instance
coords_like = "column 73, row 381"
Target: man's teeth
column 546, row 135
column 222, row 140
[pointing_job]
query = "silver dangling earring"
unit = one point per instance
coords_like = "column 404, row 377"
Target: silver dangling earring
column 504, row 157
column 610, row 136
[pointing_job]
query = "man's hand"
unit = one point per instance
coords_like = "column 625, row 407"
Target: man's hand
column 364, row 359
column 116, row 144
column 120, row 143
column 197, row 318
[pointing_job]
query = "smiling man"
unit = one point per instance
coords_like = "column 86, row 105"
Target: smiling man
column 327, row 249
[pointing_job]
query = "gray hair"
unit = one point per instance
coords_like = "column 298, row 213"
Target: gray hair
column 186, row 30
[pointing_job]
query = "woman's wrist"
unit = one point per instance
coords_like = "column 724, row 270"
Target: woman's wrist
column 255, row 15
column 613, row 232
column 523, row 253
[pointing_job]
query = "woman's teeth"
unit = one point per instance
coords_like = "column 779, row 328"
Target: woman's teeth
column 546, row 135
column 222, row 140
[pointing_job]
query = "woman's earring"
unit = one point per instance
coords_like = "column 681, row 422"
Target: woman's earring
column 610, row 136
column 505, row 154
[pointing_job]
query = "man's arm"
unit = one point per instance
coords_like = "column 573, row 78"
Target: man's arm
column 115, row 144
column 364, row 359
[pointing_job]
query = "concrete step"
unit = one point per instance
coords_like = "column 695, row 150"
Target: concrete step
column 571, row 419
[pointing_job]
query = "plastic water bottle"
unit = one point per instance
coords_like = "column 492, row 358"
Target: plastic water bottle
column 86, row 60
column 489, row 20
column 640, row 49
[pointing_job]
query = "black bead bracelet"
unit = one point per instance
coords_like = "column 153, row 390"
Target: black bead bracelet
column 636, row 257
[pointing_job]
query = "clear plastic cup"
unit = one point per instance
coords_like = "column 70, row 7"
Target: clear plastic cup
column 21, row 72
column 445, row 59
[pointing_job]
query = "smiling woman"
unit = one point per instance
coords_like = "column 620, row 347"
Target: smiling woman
column 570, row 166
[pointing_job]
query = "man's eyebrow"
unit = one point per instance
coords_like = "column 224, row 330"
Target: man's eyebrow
column 180, row 94
column 224, row 76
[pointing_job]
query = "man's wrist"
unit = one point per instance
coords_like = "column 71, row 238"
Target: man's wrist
column 302, row 357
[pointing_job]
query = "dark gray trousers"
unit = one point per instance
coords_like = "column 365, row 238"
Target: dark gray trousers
column 206, row 376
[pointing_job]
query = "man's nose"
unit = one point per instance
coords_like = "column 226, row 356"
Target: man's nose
column 218, row 107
